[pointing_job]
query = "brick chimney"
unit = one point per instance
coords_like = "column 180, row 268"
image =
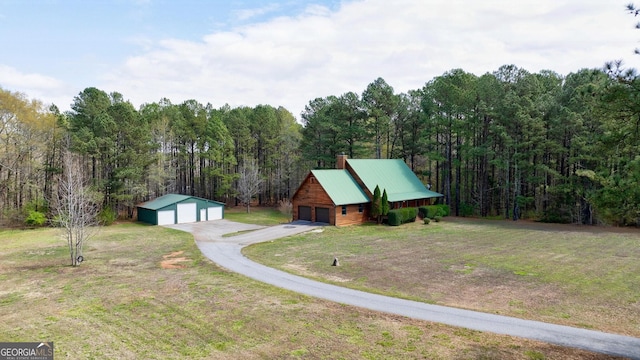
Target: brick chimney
column 341, row 161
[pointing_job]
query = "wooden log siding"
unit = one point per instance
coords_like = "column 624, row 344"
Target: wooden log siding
column 348, row 187
column 313, row 195
column 353, row 216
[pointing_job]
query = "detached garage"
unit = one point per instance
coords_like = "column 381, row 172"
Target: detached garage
column 177, row 209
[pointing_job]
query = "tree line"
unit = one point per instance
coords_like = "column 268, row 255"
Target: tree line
column 132, row 155
column 508, row 144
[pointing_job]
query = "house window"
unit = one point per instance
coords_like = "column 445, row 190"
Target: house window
column 344, row 209
column 361, row 208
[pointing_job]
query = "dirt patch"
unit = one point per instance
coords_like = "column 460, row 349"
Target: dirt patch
column 172, row 260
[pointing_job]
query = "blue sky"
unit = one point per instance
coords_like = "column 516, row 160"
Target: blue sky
column 287, row 53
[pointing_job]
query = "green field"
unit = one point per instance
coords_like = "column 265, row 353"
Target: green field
column 578, row 276
column 121, row 303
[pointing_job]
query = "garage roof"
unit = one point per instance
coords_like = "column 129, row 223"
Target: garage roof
column 166, row 200
column 340, row 186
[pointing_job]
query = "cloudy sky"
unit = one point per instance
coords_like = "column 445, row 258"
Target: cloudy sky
column 288, row 52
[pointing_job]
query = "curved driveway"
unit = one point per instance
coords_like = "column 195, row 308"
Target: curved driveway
column 226, row 252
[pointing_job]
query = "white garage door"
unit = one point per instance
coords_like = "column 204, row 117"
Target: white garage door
column 167, row 217
column 187, row 213
column 203, row 214
column 215, row 213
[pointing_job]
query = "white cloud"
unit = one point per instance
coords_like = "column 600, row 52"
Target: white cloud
column 291, row 60
column 13, row 78
column 247, row 14
column 317, row 10
column 36, row 86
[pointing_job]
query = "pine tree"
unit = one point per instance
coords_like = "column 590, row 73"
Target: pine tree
column 384, row 206
column 376, row 208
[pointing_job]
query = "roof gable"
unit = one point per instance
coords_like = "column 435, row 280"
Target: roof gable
column 166, row 200
column 340, row 186
column 392, row 175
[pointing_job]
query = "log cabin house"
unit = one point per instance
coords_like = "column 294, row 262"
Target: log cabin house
column 343, row 196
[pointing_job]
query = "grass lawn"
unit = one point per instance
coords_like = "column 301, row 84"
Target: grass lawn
column 578, row 276
column 257, row 215
column 122, row 303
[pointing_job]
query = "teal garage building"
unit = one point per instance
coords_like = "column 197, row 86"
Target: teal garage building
column 178, row 209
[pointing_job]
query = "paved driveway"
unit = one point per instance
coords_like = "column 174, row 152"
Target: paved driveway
column 226, row 252
column 247, row 234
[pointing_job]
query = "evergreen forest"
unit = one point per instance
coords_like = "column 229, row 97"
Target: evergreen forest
column 508, row 144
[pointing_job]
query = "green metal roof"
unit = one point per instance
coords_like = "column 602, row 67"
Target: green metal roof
column 166, row 200
column 394, row 176
column 341, row 187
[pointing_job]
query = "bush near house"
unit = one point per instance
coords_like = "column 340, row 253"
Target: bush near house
column 401, row 216
column 446, row 209
column 431, row 211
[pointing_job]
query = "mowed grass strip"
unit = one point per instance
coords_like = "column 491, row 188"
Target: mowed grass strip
column 122, row 304
column 265, row 216
column 579, row 276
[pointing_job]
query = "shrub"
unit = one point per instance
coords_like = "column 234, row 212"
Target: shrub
column 107, row 216
column 411, row 214
column 402, row 215
column 35, row 218
column 394, row 217
column 437, row 218
column 446, row 210
column 426, row 221
column 437, row 210
column 433, row 211
column 422, row 212
column 285, row 207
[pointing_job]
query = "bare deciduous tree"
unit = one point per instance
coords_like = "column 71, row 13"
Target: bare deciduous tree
column 250, row 182
column 76, row 208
